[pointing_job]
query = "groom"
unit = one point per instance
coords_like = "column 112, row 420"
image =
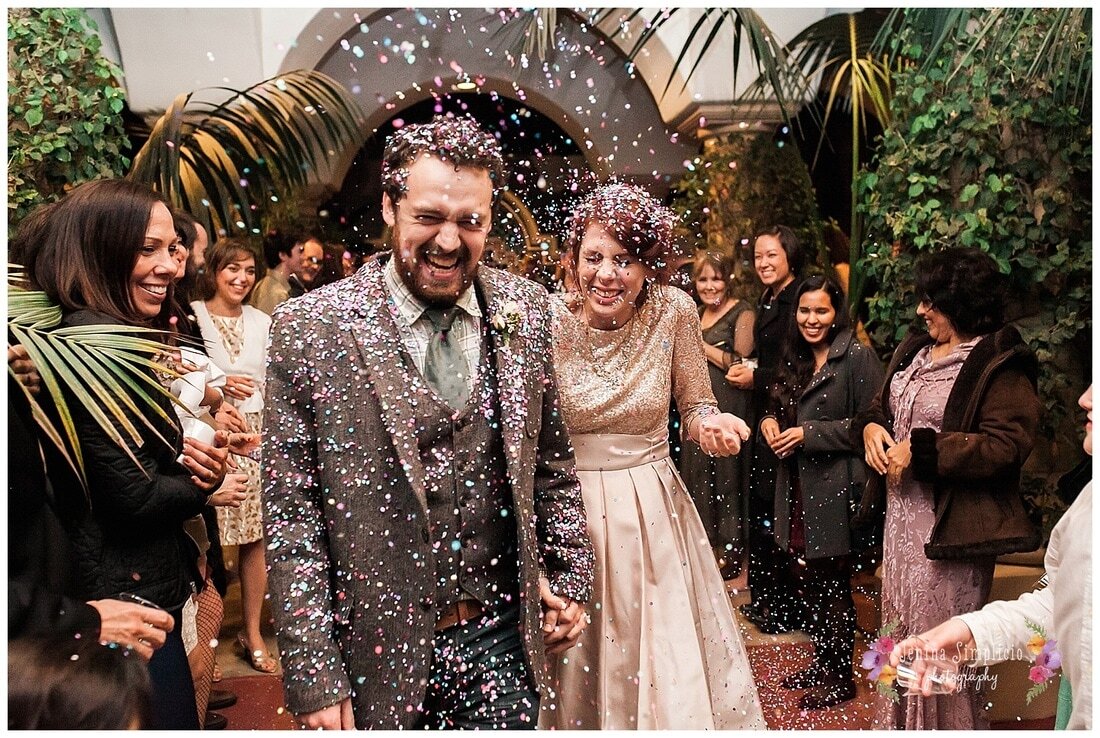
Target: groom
column 426, row 537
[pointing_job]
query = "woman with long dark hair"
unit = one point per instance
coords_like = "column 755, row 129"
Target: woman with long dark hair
column 827, row 376
column 106, row 256
column 779, row 259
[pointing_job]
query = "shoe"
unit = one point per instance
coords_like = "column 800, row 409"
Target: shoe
column 220, row 698
column 753, row 613
column 804, row 679
column 216, row 676
column 214, row 721
column 260, row 661
column 776, row 626
column 832, row 691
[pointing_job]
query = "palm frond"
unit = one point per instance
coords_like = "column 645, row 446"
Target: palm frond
column 224, row 161
column 746, row 27
column 107, row 372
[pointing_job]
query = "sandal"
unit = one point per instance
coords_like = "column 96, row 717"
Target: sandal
column 260, row 661
column 216, row 674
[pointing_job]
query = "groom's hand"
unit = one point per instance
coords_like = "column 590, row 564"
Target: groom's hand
column 563, row 620
column 333, row 717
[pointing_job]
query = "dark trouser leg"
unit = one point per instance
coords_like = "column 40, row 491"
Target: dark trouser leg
column 826, row 589
column 173, row 689
column 479, row 677
column 770, row 580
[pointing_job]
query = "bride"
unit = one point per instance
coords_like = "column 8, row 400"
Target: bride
column 663, row 649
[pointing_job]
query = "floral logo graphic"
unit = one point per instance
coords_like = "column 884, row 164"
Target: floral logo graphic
column 508, row 320
column 1045, row 660
column 877, row 662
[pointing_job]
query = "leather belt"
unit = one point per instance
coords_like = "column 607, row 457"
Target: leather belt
column 458, row 612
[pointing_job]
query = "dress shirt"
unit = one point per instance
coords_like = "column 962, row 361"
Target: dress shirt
column 416, row 328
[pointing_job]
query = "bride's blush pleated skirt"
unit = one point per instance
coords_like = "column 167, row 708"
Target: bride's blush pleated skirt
column 663, row 650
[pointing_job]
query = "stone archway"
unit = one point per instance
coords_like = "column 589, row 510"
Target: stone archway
column 389, row 59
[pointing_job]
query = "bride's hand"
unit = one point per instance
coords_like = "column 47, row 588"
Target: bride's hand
column 722, row 434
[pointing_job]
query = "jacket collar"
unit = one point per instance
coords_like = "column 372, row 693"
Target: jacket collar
column 837, row 351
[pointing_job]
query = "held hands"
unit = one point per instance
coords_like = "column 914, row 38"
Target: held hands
column 333, row 717
column 139, row 628
column 740, row 376
column 877, row 441
column 239, row 387
column 782, row 443
column 207, row 464
column 232, row 492
column 898, row 459
column 19, row 361
column 722, row 434
column 563, row 619
column 230, row 418
column 949, row 644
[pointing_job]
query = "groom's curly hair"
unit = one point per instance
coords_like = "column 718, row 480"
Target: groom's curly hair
column 459, row 141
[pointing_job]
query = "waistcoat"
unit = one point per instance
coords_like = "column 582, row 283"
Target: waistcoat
column 470, row 516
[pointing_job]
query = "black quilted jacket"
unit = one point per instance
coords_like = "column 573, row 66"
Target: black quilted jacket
column 127, row 531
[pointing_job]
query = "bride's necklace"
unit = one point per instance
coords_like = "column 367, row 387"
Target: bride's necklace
column 608, row 362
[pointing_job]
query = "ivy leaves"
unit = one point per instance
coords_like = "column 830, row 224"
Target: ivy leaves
column 64, row 107
column 990, row 158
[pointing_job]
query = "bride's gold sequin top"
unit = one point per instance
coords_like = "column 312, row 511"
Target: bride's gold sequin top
column 620, row 381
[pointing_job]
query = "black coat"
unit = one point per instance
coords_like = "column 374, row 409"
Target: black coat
column 831, row 472
column 771, row 332
column 39, row 559
column 127, row 531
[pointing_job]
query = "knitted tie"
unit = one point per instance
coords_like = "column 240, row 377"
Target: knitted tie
column 445, row 367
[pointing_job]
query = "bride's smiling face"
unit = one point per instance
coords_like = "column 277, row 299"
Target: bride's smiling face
column 610, row 278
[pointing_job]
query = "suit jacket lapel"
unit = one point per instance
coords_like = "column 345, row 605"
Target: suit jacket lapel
column 509, row 362
column 384, row 356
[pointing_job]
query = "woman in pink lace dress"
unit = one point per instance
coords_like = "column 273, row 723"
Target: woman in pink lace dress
column 950, row 431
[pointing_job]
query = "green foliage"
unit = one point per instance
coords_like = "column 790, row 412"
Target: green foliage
column 989, row 158
column 64, row 107
column 740, row 184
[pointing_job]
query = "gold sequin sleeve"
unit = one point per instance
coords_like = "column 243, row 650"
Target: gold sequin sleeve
column 690, row 378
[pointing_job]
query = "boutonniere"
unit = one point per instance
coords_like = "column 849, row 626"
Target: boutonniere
column 507, row 320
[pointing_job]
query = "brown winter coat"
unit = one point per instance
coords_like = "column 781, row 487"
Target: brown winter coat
column 974, row 462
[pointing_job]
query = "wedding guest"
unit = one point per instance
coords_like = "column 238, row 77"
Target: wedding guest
column 663, row 649
column 719, row 485
column 285, row 267
column 826, row 377
column 949, row 432
column 235, row 335
column 425, row 532
column 107, row 258
column 1062, row 608
column 779, row 260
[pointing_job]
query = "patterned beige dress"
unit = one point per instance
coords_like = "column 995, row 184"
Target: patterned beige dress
column 238, row 346
column 663, row 650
